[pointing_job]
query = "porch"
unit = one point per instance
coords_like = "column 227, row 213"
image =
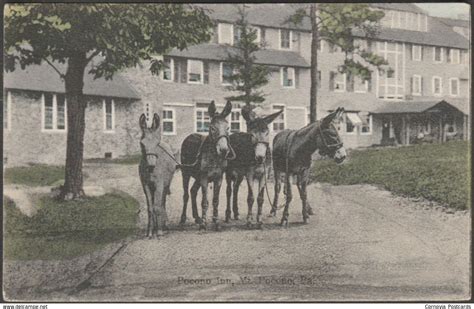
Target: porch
column 405, row 123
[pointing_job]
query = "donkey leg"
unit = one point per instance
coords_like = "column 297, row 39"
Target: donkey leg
column 301, row 184
column 204, row 203
column 215, row 202
column 185, row 197
column 194, row 192
column 149, row 205
column 235, row 196
column 252, row 190
column 277, row 193
column 228, row 211
column 260, row 199
column 158, row 210
column 289, row 196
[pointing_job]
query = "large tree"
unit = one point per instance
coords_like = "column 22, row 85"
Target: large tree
column 117, row 36
column 338, row 24
column 247, row 77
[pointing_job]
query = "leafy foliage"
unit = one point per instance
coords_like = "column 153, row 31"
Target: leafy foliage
column 437, row 172
column 121, row 34
column 35, row 175
column 338, row 23
column 247, row 76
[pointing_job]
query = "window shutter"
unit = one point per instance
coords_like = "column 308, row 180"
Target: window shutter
column 206, row 72
column 421, row 52
column 262, row 34
column 297, row 78
column 410, row 52
column 184, row 71
column 411, row 85
column 350, row 83
column 215, row 36
column 369, row 85
column 176, row 70
column 332, row 75
column 421, row 85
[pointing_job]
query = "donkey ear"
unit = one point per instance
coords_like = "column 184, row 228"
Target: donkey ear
column 269, row 119
column 156, row 122
column 227, row 109
column 142, row 122
column 333, row 116
column 212, row 109
column 248, row 113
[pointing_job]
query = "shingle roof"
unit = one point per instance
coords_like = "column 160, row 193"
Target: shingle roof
column 275, row 15
column 44, row 78
column 220, row 52
column 375, row 106
column 410, row 107
column 454, row 22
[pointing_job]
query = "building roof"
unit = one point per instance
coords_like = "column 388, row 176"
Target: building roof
column 454, row 22
column 375, row 106
column 220, row 52
column 276, row 15
column 44, row 78
column 412, row 107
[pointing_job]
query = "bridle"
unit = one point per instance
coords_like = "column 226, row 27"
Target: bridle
column 233, row 155
column 331, row 147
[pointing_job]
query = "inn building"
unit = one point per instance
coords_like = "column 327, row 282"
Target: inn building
column 424, row 97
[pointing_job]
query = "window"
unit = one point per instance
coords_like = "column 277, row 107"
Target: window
column 237, row 33
column 416, row 85
column 437, row 85
column 391, row 81
column 437, row 54
column 288, row 77
column 202, row 120
column 279, row 122
column 351, row 120
column 366, row 126
column 54, row 112
column 454, row 86
column 226, row 73
column 465, row 58
column 169, row 126
column 416, row 52
column 332, row 48
column 235, row 122
column 109, row 115
column 195, row 71
column 168, row 71
column 454, row 56
column 225, row 33
column 285, row 39
column 337, row 82
column 7, row 109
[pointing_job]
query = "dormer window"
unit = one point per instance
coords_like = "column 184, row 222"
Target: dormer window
column 225, row 33
column 285, row 39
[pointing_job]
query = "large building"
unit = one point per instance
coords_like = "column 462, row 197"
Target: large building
column 424, row 96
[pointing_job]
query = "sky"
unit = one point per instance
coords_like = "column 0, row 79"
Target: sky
column 445, row 9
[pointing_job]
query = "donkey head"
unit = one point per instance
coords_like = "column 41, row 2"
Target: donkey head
column 219, row 128
column 150, row 140
column 329, row 137
column 257, row 127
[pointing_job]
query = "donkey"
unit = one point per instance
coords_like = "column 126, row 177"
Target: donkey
column 205, row 158
column 156, row 171
column 292, row 150
column 252, row 155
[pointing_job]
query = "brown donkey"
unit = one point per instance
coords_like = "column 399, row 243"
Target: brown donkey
column 156, row 171
column 292, row 150
column 252, row 152
column 205, row 158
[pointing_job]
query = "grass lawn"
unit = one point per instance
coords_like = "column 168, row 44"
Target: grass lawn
column 34, row 175
column 61, row 230
column 436, row 172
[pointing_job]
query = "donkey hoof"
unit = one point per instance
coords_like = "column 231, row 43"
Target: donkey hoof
column 160, row 233
column 217, row 227
column 202, row 226
column 197, row 220
column 305, row 220
column 236, row 217
column 310, row 211
column 260, row 225
column 183, row 220
column 284, row 223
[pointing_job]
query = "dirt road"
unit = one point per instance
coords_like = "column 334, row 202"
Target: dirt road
column 361, row 244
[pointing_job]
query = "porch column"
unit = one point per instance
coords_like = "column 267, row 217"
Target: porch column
column 440, row 131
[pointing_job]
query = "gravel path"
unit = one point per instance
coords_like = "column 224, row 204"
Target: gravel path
column 361, row 244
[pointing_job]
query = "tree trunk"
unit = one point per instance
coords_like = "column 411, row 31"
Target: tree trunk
column 76, row 107
column 314, row 64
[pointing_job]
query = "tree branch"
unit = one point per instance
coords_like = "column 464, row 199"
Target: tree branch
column 93, row 55
column 55, row 68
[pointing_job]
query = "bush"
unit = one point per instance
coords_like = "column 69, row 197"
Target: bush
column 64, row 229
column 436, row 172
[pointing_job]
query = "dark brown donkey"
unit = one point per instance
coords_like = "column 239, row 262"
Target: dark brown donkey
column 205, row 158
column 252, row 152
column 292, row 150
column 156, row 171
